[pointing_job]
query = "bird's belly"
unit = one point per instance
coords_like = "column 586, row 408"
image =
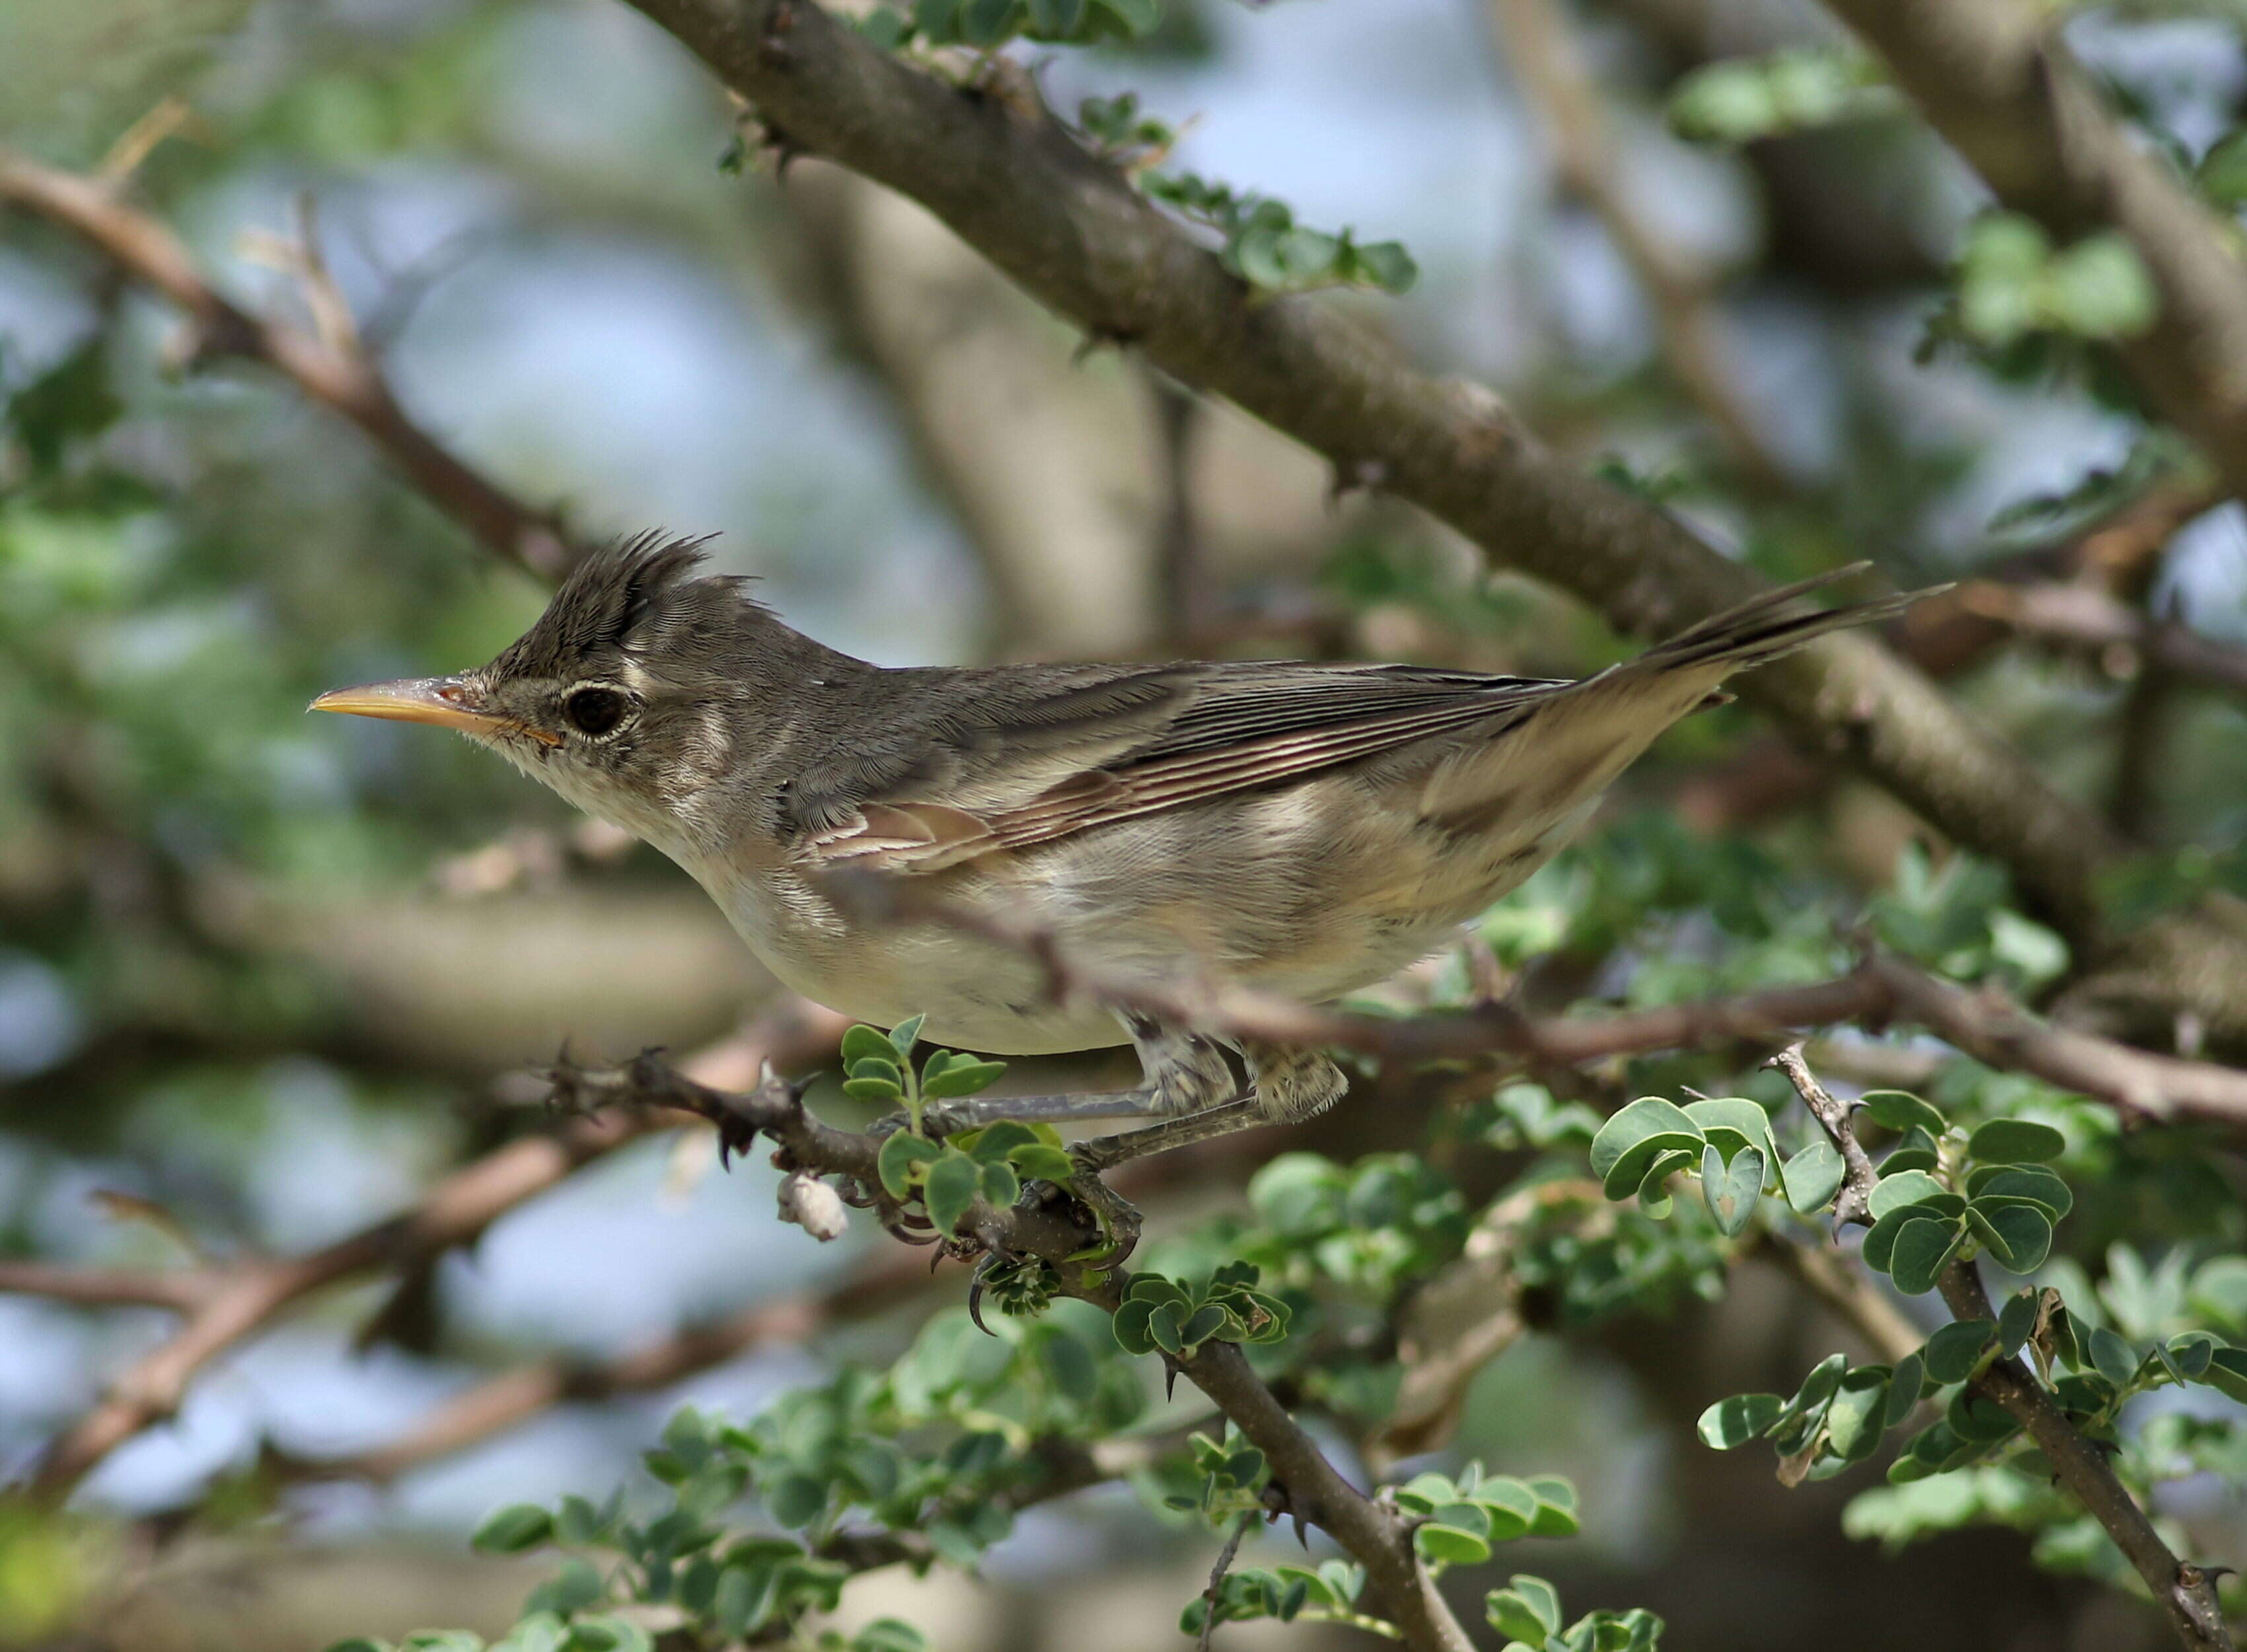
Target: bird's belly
column 976, row 995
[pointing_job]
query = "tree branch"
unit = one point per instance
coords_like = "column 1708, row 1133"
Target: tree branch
column 329, row 366
column 1075, row 234
column 1981, row 1023
column 2186, row 1593
column 1994, row 77
column 1376, row 1534
column 224, row 1304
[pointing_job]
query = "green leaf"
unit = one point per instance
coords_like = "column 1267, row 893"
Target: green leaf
column 1387, row 265
column 1041, row 1163
column 1924, row 1246
column 2099, row 288
column 1978, row 1419
column 1952, row 1352
column 2226, row 1373
column 2223, row 171
column 889, row 1634
column 1903, row 1388
column 1812, row 1176
column 2015, row 1320
column 1628, row 1144
column 1556, row 1507
column 2015, row 1141
column 1529, row 1614
column 1901, row 1110
column 864, row 1043
column 905, row 1034
column 1730, row 1191
column 881, row 1092
column 1732, row 1123
column 996, row 1141
column 1137, row 17
column 1002, row 1187
column 1910, row 1187
column 1735, row 1421
column 901, row 1153
column 1858, row 1416
column 1163, row 1328
column 1917, row 1151
column 949, row 1188
column 794, row 1498
column 2113, row 1358
column 576, row 1587
column 1448, row 1545
column 2031, row 1184
column 1131, row 1327
column 2192, row 1352
column 2018, row 1237
column 963, row 1078
column 1513, row 1505
column 513, row 1530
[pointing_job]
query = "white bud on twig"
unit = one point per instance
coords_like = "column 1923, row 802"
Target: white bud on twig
column 813, row 1207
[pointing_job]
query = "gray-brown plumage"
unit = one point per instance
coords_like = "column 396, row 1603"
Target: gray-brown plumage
column 1309, row 829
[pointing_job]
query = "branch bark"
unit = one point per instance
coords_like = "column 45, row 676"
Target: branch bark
column 329, row 366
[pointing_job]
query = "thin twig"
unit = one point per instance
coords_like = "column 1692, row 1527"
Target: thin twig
column 1216, row 1589
column 1548, row 66
column 1375, row 1533
column 332, row 369
column 1854, row 1201
column 1981, row 1023
column 223, row 1304
column 2186, row 1593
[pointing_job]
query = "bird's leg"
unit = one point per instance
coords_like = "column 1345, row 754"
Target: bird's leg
column 1105, row 1152
column 948, row 1118
column 1186, row 1072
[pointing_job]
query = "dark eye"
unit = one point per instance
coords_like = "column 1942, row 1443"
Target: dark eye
column 595, row 711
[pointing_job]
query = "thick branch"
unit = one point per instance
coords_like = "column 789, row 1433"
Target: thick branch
column 1075, row 234
column 331, row 367
column 1993, row 77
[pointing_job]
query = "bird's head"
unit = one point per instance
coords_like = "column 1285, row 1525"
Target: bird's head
column 624, row 697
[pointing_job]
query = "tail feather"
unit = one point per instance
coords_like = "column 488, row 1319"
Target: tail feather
column 1761, row 629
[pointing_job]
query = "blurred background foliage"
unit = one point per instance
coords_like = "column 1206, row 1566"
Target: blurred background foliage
column 259, row 979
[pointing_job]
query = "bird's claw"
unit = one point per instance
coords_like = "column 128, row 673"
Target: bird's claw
column 1119, row 1220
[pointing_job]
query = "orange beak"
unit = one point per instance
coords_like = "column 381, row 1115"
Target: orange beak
column 448, row 702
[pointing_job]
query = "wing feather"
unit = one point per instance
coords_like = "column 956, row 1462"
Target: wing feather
column 1244, row 728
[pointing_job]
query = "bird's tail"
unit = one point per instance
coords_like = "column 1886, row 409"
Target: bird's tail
column 1770, row 624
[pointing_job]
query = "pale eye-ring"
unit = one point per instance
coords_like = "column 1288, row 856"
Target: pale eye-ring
column 596, row 710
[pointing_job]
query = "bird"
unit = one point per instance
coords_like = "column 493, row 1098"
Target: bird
column 1304, row 828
